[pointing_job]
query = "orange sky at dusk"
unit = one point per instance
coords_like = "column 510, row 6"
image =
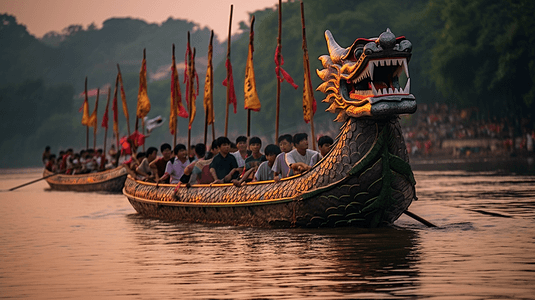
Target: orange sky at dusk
column 42, row 16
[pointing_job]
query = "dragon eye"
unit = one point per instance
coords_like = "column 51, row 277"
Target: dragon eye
column 358, row 53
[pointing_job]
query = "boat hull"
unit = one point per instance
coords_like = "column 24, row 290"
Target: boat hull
column 365, row 181
column 109, row 181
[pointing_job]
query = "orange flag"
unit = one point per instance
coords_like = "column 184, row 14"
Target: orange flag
column 249, row 86
column 143, row 102
column 193, row 75
column 208, row 102
column 309, row 103
column 93, row 118
column 85, row 115
column 123, row 98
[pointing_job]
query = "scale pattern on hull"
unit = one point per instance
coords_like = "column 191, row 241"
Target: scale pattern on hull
column 111, row 181
column 343, row 189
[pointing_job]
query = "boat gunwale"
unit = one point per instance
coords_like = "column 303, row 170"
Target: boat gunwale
column 207, row 204
column 87, row 175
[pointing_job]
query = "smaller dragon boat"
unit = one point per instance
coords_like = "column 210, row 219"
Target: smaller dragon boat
column 109, row 181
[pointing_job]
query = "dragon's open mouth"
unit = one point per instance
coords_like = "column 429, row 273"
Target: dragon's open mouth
column 381, row 77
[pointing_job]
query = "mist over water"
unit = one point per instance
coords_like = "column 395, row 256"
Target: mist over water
column 57, row 245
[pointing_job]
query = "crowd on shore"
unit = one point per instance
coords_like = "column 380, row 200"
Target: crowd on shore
column 427, row 129
column 222, row 162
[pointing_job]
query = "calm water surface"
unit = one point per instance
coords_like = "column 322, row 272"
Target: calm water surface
column 63, row 245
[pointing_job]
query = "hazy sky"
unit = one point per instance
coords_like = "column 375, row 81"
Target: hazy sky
column 42, row 16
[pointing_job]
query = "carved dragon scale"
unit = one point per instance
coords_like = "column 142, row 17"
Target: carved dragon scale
column 365, row 180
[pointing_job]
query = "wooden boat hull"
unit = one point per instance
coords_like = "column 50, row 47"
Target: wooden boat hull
column 364, row 181
column 109, row 181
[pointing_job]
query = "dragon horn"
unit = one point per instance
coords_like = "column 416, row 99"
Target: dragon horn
column 335, row 51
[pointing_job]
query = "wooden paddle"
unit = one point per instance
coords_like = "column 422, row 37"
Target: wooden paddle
column 419, row 219
column 33, row 181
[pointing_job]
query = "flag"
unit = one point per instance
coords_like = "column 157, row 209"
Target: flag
column 143, row 102
column 309, row 103
column 208, row 102
column 105, row 117
column 123, row 97
column 114, row 108
column 285, row 75
column 85, row 106
column 93, row 118
column 230, row 78
column 193, row 73
column 176, row 98
column 249, row 85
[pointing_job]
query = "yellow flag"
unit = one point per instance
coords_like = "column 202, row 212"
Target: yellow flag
column 85, row 115
column 123, row 96
column 143, row 103
column 93, row 118
column 249, row 86
column 309, row 103
column 208, row 102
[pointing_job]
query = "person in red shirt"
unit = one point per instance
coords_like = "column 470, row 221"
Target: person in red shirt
column 158, row 165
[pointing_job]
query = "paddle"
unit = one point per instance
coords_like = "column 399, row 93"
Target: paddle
column 419, row 219
column 33, row 181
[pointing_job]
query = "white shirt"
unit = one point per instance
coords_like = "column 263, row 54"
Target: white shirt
column 176, row 169
column 239, row 159
column 310, row 158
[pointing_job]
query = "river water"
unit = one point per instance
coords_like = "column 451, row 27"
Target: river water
column 63, row 245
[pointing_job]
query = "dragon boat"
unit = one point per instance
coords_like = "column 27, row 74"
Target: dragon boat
column 364, row 181
column 109, row 181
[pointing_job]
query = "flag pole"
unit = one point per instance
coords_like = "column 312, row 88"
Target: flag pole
column 95, row 124
column 305, row 51
column 279, row 47
column 228, row 69
column 86, row 126
column 106, row 130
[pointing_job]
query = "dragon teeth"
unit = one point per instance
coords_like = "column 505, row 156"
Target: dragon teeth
column 407, row 87
column 369, row 73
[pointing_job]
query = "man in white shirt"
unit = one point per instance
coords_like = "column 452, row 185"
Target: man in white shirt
column 280, row 167
column 241, row 154
column 176, row 165
column 301, row 159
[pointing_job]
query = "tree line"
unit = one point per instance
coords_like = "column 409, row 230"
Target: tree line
column 466, row 54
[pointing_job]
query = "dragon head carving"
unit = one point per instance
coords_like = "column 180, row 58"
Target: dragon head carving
column 368, row 79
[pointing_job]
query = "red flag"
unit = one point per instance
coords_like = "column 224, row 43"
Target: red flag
column 114, row 108
column 105, row 118
column 176, row 98
column 285, row 75
column 232, row 97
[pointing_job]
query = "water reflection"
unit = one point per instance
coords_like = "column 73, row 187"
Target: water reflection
column 333, row 263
